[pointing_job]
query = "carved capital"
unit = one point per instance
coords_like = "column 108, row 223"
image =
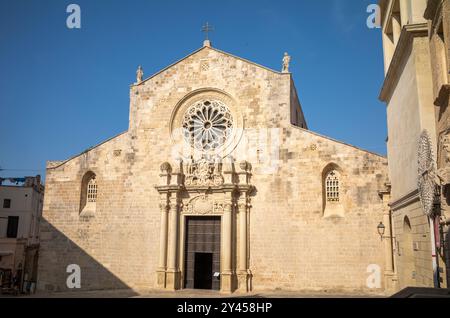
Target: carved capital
column 173, row 206
column 228, row 207
column 163, row 207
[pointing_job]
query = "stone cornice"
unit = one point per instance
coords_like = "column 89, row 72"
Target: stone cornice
column 168, row 188
column 388, row 6
column 225, row 188
column 405, row 200
column 409, row 32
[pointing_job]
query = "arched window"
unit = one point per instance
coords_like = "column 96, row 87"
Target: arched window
column 88, row 193
column 332, row 192
column 332, row 186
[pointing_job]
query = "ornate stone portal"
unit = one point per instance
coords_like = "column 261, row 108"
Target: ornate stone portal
column 205, row 187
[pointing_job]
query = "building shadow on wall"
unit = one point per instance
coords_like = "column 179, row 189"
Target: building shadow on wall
column 57, row 252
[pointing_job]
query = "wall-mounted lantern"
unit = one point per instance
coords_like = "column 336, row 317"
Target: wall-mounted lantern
column 381, row 228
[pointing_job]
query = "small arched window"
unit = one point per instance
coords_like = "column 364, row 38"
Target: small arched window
column 332, row 184
column 89, row 191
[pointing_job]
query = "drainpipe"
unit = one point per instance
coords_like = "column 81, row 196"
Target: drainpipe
column 434, row 254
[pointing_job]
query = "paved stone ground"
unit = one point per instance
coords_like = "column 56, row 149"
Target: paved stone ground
column 200, row 294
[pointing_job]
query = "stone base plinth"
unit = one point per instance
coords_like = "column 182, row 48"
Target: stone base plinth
column 173, row 280
column 244, row 282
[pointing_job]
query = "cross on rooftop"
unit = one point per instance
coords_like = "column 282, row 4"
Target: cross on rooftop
column 207, row 28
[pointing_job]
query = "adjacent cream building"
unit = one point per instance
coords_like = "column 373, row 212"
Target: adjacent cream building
column 20, row 214
column 411, row 64
column 217, row 184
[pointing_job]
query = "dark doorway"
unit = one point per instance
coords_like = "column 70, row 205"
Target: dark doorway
column 203, row 271
column 202, row 253
column 13, row 226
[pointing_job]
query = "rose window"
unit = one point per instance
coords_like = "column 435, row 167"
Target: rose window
column 207, row 125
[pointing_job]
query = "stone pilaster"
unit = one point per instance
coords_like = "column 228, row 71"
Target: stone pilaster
column 227, row 276
column 173, row 271
column 243, row 274
column 162, row 266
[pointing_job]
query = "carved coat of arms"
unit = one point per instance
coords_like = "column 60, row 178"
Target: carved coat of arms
column 203, row 172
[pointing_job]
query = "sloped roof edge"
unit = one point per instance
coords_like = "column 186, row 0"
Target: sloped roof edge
column 339, row 142
column 87, row 150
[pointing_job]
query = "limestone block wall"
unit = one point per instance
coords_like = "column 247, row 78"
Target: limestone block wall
column 291, row 245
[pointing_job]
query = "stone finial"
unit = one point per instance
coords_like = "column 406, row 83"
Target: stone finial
column 139, row 75
column 166, row 168
column 244, row 165
column 286, row 61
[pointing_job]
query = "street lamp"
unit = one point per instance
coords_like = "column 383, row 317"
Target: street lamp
column 381, row 228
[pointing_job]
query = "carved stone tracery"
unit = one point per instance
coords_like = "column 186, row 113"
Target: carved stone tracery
column 207, row 125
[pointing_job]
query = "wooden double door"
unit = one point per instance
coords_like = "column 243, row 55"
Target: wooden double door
column 202, row 253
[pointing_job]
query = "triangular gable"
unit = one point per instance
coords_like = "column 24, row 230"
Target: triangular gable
column 208, row 48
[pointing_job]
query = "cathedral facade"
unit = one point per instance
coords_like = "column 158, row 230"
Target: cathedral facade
column 217, row 184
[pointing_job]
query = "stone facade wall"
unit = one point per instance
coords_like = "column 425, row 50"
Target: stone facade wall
column 420, row 247
column 291, row 245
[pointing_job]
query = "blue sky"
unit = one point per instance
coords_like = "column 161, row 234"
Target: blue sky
column 64, row 90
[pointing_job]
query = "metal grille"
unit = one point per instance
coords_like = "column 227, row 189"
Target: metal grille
column 92, row 190
column 332, row 186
